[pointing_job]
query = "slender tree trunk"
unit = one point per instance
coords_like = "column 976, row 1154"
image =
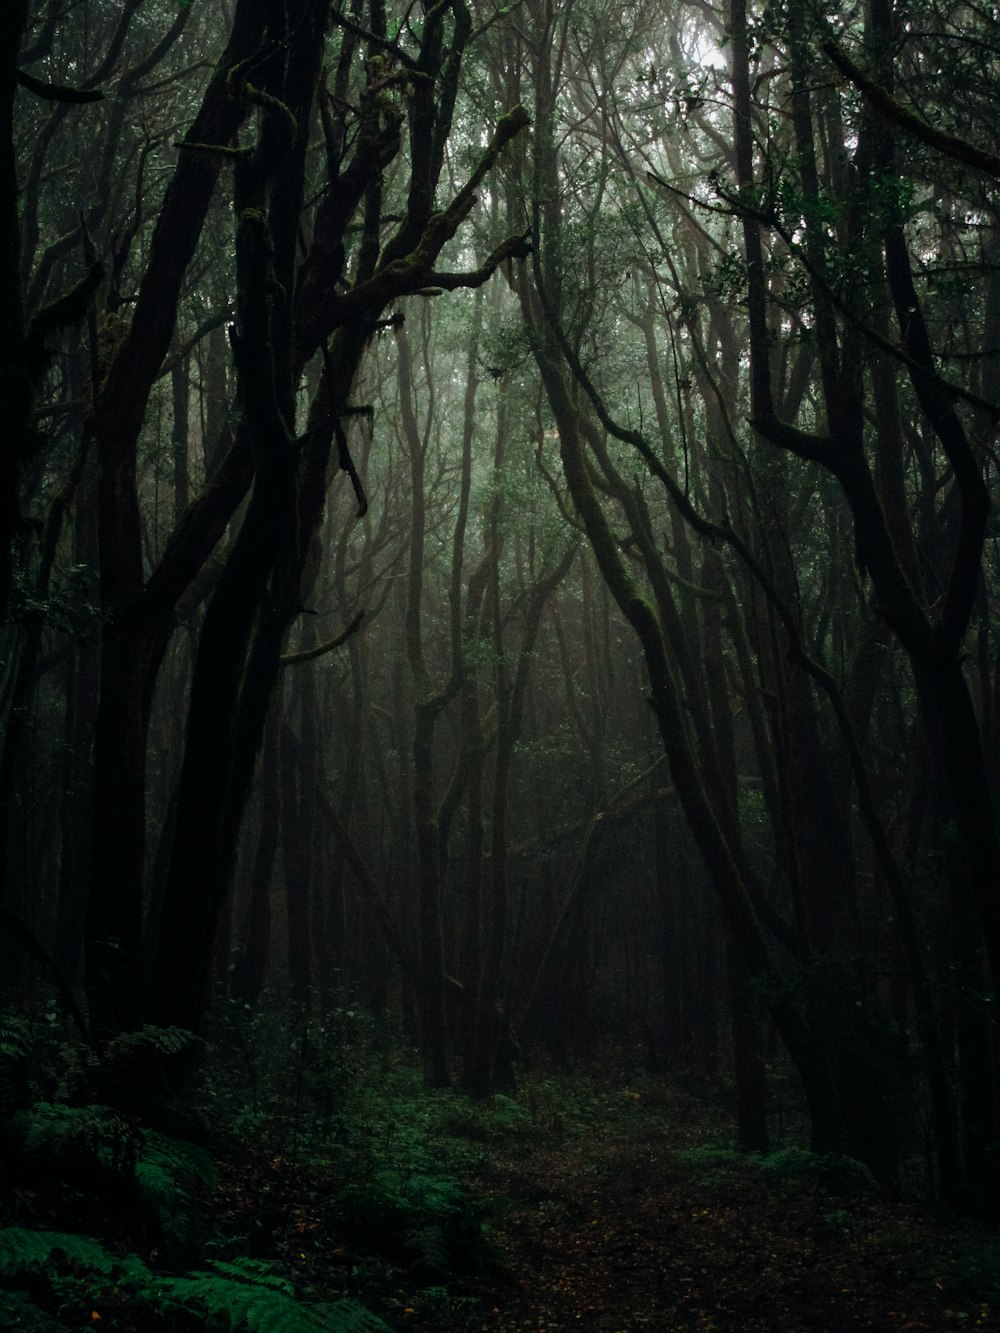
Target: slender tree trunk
column 252, row 956
column 15, row 381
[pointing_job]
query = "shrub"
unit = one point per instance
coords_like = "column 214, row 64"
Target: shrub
column 834, row 1171
column 429, row 1222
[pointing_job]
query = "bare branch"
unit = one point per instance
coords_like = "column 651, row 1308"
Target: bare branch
column 308, row 654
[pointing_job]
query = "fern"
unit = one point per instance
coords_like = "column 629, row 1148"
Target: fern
column 23, row 1251
column 429, row 1252
column 87, row 1134
column 159, row 1041
column 429, row 1221
column 128, row 1070
column 15, row 1052
column 162, row 1169
column 244, row 1296
column 176, row 1155
column 441, row 1196
column 351, row 1317
column 164, row 1172
column 15, row 1040
column 714, row 1164
column 249, row 1295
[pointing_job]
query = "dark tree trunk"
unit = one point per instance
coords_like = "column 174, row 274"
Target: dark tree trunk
column 252, row 954
column 137, row 625
column 15, row 379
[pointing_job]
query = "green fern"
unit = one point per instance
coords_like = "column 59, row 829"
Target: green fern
column 15, row 1040
column 164, row 1174
column 86, row 1134
column 250, row 1295
column 715, row 1164
column 15, row 1053
column 23, row 1251
column 128, row 1070
column 243, row 1296
column 163, row 1169
column 177, row 1155
column 430, row 1253
column 350, row 1317
column 428, row 1221
column 160, row 1041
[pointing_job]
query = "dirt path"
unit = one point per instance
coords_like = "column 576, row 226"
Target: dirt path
column 619, row 1235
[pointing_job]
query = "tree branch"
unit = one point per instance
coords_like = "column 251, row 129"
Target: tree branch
column 309, row 654
column 57, row 92
column 883, row 102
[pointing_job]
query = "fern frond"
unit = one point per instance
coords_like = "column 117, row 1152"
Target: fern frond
column 243, row 1295
column 429, row 1252
column 350, row 1317
column 161, row 1041
column 15, row 1040
column 23, row 1251
column 253, row 1297
column 175, row 1155
column 254, row 1272
column 430, row 1221
column 834, row 1171
column 437, row 1195
column 15, row 1052
column 93, row 1133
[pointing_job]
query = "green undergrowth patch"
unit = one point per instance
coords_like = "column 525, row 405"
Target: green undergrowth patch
column 836, row 1172
column 106, row 1222
column 147, row 1191
column 568, row 1106
column 345, row 1098
column 430, row 1223
column 717, row 1165
column 408, row 1159
column 52, row 1276
column 335, row 1148
column 343, row 1088
column 105, row 1164
column 337, row 1185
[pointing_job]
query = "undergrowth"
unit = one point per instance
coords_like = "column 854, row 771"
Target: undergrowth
column 348, row 1098
column 133, row 1235
column 80, row 1278
column 338, row 1192
column 718, row 1164
column 154, row 1262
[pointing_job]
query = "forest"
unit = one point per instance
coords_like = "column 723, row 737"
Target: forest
column 499, row 665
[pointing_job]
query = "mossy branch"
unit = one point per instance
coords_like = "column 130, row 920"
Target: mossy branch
column 888, row 107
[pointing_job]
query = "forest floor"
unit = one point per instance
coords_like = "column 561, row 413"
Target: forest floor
column 621, row 1208
column 659, row 1228
column 591, row 1201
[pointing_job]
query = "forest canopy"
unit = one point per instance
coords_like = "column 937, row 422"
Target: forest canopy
column 496, row 527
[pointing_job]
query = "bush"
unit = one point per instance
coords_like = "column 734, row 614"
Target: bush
column 834, row 1171
column 429, row 1222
